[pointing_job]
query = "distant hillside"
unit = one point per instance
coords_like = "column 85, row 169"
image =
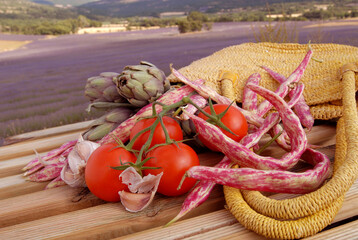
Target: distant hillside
column 63, row 2
column 26, row 17
column 24, row 9
column 128, row 8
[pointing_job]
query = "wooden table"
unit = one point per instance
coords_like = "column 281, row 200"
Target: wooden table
column 27, row 211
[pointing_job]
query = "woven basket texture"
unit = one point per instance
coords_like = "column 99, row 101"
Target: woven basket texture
column 321, row 78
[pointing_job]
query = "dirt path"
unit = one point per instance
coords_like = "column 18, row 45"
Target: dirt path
column 6, row 45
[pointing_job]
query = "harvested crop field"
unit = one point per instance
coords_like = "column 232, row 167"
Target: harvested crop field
column 42, row 83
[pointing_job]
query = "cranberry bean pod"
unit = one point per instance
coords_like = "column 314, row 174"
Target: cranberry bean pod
column 249, row 98
column 283, row 140
column 269, row 180
column 40, row 165
column 207, row 92
column 242, row 155
column 49, row 172
column 57, row 182
column 296, row 76
column 252, row 139
column 49, row 161
column 200, row 192
column 301, row 108
column 199, row 101
column 50, row 155
column 123, row 130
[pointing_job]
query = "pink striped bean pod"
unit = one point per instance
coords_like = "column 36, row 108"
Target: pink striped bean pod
column 249, row 98
column 296, row 76
column 200, row 193
column 123, row 130
column 50, row 155
column 242, row 155
column 269, row 180
column 47, row 173
column 199, row 101
column 207, row 92
column 57, row 182
column 301, row 108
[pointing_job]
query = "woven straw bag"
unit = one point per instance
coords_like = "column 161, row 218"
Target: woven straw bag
column 330, row 87
column 321, row 78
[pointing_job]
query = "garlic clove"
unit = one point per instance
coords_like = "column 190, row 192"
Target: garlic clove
column 135, row 202
column 75, row 162
column 142, row 190
column 72, row 179
column 85, row 149
column 73, row 173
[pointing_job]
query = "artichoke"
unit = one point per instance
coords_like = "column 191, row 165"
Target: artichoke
column 103, row 89
column 142, row 84
column 108, row 122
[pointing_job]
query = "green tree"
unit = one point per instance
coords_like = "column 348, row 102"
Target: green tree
column 194, row 22
column 184, row 26
column 197, row 16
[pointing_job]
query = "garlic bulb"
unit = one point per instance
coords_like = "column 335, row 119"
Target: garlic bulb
column 73, row 172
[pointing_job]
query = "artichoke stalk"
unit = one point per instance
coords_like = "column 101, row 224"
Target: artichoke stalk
column 108, row 122
column 142, row 84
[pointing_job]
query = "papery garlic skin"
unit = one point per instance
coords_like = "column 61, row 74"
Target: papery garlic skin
column 73, row 173
column 142, row 190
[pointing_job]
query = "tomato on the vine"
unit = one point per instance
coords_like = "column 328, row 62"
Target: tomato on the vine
column 233, row 119
column 173, row 161
column 173, row 128
column 101, row 179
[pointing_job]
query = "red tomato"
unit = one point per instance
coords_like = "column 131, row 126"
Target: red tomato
column 173, row 128
column 174, row 162
column 233, row 119
column 101, row 179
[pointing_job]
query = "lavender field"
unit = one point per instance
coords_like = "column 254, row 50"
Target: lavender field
column 41, row 84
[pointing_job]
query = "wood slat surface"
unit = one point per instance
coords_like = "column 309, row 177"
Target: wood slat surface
column 27, row 211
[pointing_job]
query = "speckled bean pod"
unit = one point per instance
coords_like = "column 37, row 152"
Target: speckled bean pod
column 250, row 140
column 200, row 192
column 207, row 92
column 53, row 153
column 269, row 180
column 40, row 165
column 54, row 160
column 198, row 100
column 249, row 98
column 47, row 173
column 296, row 76
column 243, row 155
column 57, row 182
column 123, row 130
column 283, row 140
column 301, row 108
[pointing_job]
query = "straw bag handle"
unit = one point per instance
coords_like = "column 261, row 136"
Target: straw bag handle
column 310, row 213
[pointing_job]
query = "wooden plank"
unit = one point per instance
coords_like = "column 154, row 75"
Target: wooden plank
column 235, row 231
column 13, row 166
column 16, row 185
column 75, row 127
column 14, row 188
column 187, row 228
column 33, row 206
column 41, row 145
column 350, row 205
column 77, row 223
column 108, row 220
column 203, row 228
column 346, row 231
